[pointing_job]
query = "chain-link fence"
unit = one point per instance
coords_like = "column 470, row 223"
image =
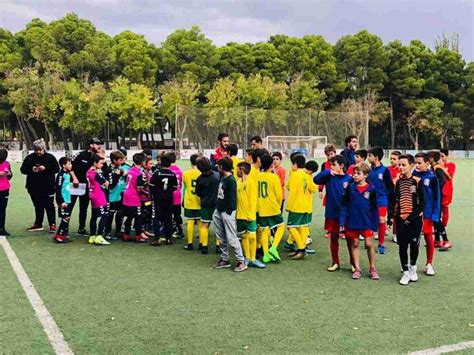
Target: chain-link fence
column 198, row 127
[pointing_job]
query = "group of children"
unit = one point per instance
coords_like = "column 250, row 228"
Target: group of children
column 245, row 200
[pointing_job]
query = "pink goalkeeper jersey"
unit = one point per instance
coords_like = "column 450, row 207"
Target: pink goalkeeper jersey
column 131, row 196
column 96, row 193
column 177, row 193
column 4, row 180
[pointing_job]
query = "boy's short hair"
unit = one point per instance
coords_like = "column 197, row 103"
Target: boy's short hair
column 362, row 153
column 267, row 161
column 171, row 157
column 3, row 154
column 124, row 151
column 165, row 161
column 193, row 159
column 232, row 149
column 376, row 152
column 435, row 155
column 204, row 165
column 312, row 166
column 62, row 161
column 257, row 153
column 97, row 158
column 138, row 158
column 397, row 153
column 348, row 139
column 246, row 167
column 116, row 155
column 147, row 152
column 329, row 148
column 278, row 155
column 221, row 136
column 257, row 139
column 409, row 157
column 249, row 151
column 362, row 168
column 444, row 151
column 299, row 160
column 226, row 164
column 426, row 157
column 293, row 155
column 339, row 159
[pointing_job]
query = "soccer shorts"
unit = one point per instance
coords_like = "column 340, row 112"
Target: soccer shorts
column 331, row 225
column 297, row 219
column 244, row 226
column 427, row 226
column 206, row 214
column 354, row 233
column 192, row 214
column 270, row 222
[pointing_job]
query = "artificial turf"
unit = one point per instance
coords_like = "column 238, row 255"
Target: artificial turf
column 129, row 298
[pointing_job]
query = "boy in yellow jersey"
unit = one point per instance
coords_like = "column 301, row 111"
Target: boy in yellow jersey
column 256, row 164
column 310, row 168
column 232, row 151
column 247, row 214
column 298, row 205
column 191, row 201
column 248, row 155
column 268, row 206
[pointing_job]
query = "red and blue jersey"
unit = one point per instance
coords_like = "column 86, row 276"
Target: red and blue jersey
column 432, row 194
column 381, row 179
column 359, row 208
column 335, row 187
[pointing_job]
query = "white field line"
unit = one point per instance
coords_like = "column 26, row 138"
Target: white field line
column 446, row 348
column 50, row 327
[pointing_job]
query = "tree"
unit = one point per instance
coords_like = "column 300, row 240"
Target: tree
column 189, row 51
column 236, row 58
column 268, row 62
column 361, row 59
column 135, row 58
column 445, row 126
column 424, row 114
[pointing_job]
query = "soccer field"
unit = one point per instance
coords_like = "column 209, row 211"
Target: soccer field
column 130, row 298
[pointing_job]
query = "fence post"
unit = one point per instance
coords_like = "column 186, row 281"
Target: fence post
column 367, row 129
column 310, row 126
column 246, row 127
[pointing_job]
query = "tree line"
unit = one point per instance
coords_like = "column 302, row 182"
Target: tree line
column 66, row 80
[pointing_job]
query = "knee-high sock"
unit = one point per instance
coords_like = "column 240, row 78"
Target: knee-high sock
column 445, row 215
column 382, row 231
column 259, row 237
column 278, row 235
column 335, row 247
column 304, row 231
column 204, row 236
column 245, row 245
column 290, row 239
column 349, row 247
column 252, row 238
column 265, row 238
column 190, row 230
column 295, row 233
column 430, row 249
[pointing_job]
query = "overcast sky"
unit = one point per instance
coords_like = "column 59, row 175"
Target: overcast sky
column 251, row 21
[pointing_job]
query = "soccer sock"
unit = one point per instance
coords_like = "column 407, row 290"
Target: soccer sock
column 265, row 237
column 252, row 238
column 430, row 249
column 304, row 231
column 190, row 230
column 290, row 240
column 278, row 235
column 246, row 245
column 382, row 231
column 349, row 247
column 204, row 236
column 335, row 247
column 294, row 232
column 445, row 215
column 259, row 237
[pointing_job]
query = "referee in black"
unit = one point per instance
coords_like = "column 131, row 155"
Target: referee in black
column 80, row 164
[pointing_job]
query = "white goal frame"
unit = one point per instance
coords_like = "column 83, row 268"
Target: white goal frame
column 297, row 142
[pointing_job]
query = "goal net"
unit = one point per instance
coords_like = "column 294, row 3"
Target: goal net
column 289, row 144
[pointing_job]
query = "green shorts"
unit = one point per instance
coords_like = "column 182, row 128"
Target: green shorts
column 206, row 214
column 270, row 222
column 244, row 226
column 192, row 214
column 298, row 219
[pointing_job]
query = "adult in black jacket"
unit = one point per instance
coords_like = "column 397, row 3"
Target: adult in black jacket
column 40, row 169
column 80, row 164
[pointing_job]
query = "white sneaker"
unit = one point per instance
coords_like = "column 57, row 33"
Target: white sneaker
column 429, row 270
column 376, row 236
column 405, row 280
column 309, row 241
column 361, row 237
column 413, row 274
column 394, row 239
